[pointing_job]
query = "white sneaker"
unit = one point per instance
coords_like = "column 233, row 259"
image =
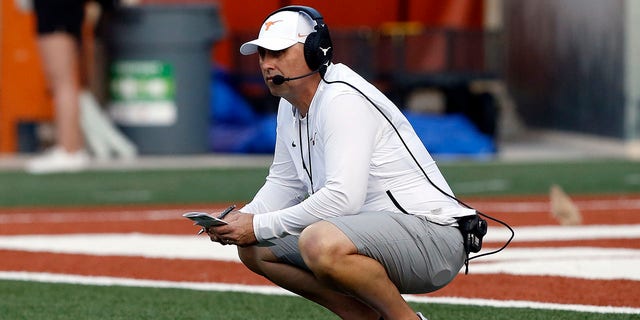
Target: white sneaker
column 421, row 317
column 58, row 160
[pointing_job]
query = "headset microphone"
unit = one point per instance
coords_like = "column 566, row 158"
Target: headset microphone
column 278, row 79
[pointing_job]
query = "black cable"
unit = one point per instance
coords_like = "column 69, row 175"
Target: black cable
column 425, row 173
column 304, row 166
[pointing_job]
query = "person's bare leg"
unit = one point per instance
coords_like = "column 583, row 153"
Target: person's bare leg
column 262, row 261
column 61, row 62
column 334, row 260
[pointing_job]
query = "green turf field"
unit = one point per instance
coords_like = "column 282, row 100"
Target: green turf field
column 228, row 184
column 28, row 300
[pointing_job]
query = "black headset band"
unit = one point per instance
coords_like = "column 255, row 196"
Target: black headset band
column 311, row 12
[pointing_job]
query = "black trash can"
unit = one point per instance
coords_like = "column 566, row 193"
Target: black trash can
column 159, row 84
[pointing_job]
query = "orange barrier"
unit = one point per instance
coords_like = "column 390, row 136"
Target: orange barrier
column 23, row 89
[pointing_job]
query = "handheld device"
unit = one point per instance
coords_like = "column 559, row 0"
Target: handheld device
column 205, row 220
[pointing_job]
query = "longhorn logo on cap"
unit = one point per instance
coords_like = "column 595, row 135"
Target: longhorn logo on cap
column 324, row 51
column 268, row 24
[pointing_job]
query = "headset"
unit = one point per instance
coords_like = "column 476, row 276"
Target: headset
column 318, row 48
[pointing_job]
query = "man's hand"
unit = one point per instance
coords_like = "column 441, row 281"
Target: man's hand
column 239, row 231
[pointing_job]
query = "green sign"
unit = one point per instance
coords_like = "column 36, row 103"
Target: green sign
column 142, row 93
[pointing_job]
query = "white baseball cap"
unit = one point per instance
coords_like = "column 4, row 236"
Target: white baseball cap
column 281, row 31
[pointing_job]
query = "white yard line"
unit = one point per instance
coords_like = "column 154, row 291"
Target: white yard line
column 559, row 233
column 126, row 244
column 523, row 304
column 543, row 205
column 576, row 262
column 569, row 262
column 273, row 290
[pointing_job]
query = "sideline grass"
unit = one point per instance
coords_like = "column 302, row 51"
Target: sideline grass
column 29, row 300
column 240, row 184
column 526, row 178
column 130, row 187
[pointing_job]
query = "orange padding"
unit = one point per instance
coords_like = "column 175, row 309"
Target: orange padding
column 23, row 94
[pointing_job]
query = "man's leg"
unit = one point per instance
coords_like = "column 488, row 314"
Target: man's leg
column 262, row 261
column 335, row 261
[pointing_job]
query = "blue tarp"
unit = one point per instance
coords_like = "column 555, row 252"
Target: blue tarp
column 236, row 128
column 451, row 135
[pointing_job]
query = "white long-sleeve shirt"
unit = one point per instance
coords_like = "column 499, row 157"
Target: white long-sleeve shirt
column 353, row 156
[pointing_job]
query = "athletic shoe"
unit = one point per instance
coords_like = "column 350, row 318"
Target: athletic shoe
column 58, row 160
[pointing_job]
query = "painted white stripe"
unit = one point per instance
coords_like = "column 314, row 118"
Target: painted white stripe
column 513, row 207
column 571, row 262
column 192, row 247
column 128, row 244
column 272, row 290
column 555, row 233
column 587, row 263
column 605, row 205
column 129, row 282
column 543, row 205
column 523, row 304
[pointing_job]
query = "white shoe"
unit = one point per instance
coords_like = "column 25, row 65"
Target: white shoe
column 421, row 317
column 58, row 160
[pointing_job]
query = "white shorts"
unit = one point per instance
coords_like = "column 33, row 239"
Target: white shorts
column 419, row 256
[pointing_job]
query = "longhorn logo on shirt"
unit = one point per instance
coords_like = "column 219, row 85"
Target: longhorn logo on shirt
column 268, row 24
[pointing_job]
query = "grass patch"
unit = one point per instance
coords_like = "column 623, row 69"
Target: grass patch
column 130, row 187
column 578, row 177
column 240, row 184
column 32, row 300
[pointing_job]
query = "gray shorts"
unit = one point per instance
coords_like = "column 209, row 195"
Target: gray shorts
column 419, row 256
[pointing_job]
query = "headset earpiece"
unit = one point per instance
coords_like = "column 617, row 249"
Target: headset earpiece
column 318, row 48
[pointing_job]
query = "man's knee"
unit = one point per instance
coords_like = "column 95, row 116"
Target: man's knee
column 254, row 257
column 322, row 245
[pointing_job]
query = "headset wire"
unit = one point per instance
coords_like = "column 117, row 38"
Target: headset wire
column 424, row 173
